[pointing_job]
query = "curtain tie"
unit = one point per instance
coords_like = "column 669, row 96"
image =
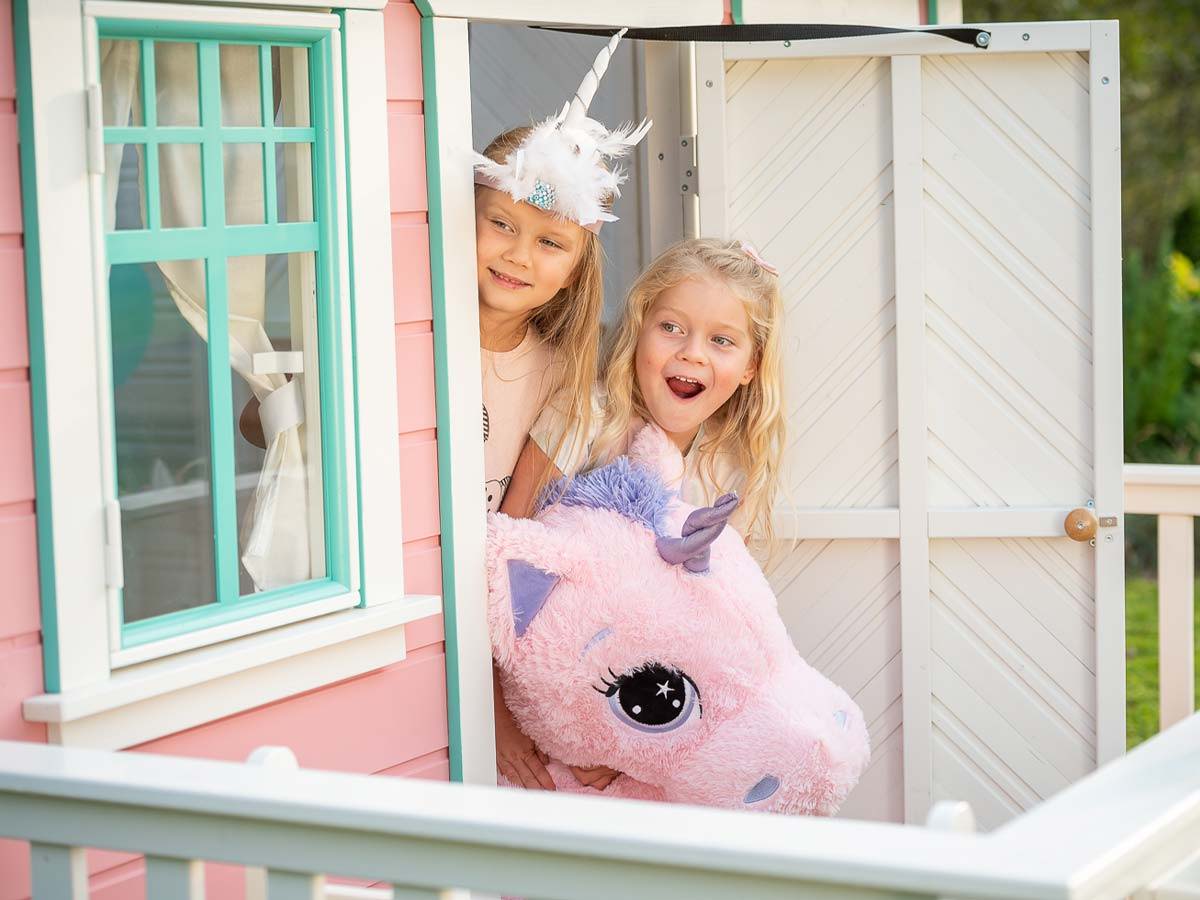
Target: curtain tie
column 281, row 409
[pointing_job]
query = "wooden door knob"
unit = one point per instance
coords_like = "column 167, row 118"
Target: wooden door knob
column 1080, row 524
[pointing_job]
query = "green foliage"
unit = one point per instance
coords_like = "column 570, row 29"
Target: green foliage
column 1160, row 101
column 1162, row 378
column 1141, row 653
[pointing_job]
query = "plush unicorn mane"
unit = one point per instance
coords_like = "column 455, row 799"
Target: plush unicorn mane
column 632, row 490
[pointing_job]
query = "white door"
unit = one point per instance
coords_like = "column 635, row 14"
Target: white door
column 946, row 221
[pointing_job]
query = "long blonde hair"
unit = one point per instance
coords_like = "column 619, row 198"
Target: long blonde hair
column 568, row 323
column 750, row 426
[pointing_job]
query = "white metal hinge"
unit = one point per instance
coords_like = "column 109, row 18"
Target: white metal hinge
column 95, row 130
column 114, row 565
column 689, row 173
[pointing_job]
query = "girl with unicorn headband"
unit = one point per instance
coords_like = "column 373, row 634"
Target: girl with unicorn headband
column 542, row 193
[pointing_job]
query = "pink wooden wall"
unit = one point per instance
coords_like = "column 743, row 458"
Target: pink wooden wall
column 391, row 721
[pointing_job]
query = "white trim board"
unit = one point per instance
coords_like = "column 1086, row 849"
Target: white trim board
column 378, row 5
column 189, row 12
column 841, row 12
column 374, row 358
column 73, row 416
column 1104, row 86
column 907, row 173
column 167, row 695
column 452, row 228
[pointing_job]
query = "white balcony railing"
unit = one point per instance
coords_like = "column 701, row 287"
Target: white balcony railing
column 1131, row 826
column 1173, row 494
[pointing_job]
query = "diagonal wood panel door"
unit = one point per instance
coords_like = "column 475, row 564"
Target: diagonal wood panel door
column 947, row 235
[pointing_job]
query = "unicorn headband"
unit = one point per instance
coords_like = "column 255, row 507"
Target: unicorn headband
column 559, row 167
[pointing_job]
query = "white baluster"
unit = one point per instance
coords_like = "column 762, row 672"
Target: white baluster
column 1176, row 652
column 271, row 758
column 354, row 892
column 59, row 873
column 951, row 815
column 174, row 879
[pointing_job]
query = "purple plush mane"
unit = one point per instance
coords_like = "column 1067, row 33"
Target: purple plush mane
column 633, row 631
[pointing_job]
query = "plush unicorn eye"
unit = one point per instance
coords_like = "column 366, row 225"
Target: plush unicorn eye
column 652, row 698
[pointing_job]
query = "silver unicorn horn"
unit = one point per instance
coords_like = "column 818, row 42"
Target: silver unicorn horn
column 587, row 88
column 700, row 529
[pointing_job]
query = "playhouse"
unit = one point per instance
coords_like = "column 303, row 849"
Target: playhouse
column 241, row 459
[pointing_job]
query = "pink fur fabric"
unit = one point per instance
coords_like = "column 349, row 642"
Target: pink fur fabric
column 685, row 681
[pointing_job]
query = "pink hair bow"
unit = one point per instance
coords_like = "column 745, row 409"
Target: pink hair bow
column 753, row 254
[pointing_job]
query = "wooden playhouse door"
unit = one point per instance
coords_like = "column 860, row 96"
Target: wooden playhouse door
column 946, row 221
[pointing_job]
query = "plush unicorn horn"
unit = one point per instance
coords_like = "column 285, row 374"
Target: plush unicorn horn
column 700, row 529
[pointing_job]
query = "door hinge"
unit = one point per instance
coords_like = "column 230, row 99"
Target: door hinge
column 689, row 172
column 114, row 564
column 95, row 130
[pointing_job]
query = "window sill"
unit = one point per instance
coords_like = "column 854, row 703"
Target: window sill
column 164, row 696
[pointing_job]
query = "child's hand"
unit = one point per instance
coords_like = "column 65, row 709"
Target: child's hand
column 598, row 777
column 517, row 756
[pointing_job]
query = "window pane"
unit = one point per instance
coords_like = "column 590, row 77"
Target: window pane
column 121, row 82
column 289, row 66
column 244, row 204
column 293, row 179
column 176, row 75
column 180, row 186
column 127, row 211
column 278, row 454
column 241, row 95
column 160, row 380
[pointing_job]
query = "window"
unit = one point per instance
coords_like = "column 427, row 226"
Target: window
column 221, row 253
column 214, row 361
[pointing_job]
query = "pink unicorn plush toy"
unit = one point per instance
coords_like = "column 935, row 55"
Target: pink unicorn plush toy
column 635, row 632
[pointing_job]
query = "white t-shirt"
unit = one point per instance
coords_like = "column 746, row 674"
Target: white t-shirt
column 696, row 490
column 516, row 385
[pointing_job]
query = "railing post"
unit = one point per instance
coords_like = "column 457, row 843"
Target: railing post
column 59, row 873
column 1176, row 616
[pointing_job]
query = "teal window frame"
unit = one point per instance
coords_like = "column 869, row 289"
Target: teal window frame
column 214, row 243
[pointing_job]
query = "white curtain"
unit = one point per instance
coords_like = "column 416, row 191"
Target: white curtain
column 275, row 531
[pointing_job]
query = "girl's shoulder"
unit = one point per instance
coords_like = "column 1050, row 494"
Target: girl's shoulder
column 563, row 436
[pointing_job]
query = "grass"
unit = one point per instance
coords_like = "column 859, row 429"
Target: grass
column 1141, row 655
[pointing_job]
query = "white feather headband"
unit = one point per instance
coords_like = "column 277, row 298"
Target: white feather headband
column 559, row 167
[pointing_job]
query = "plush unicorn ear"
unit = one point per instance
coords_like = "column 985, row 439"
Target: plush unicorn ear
column 524, row 562
column 652, row 449
column 528, row 588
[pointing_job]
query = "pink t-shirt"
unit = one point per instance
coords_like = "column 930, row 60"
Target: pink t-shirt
column 516, row 384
